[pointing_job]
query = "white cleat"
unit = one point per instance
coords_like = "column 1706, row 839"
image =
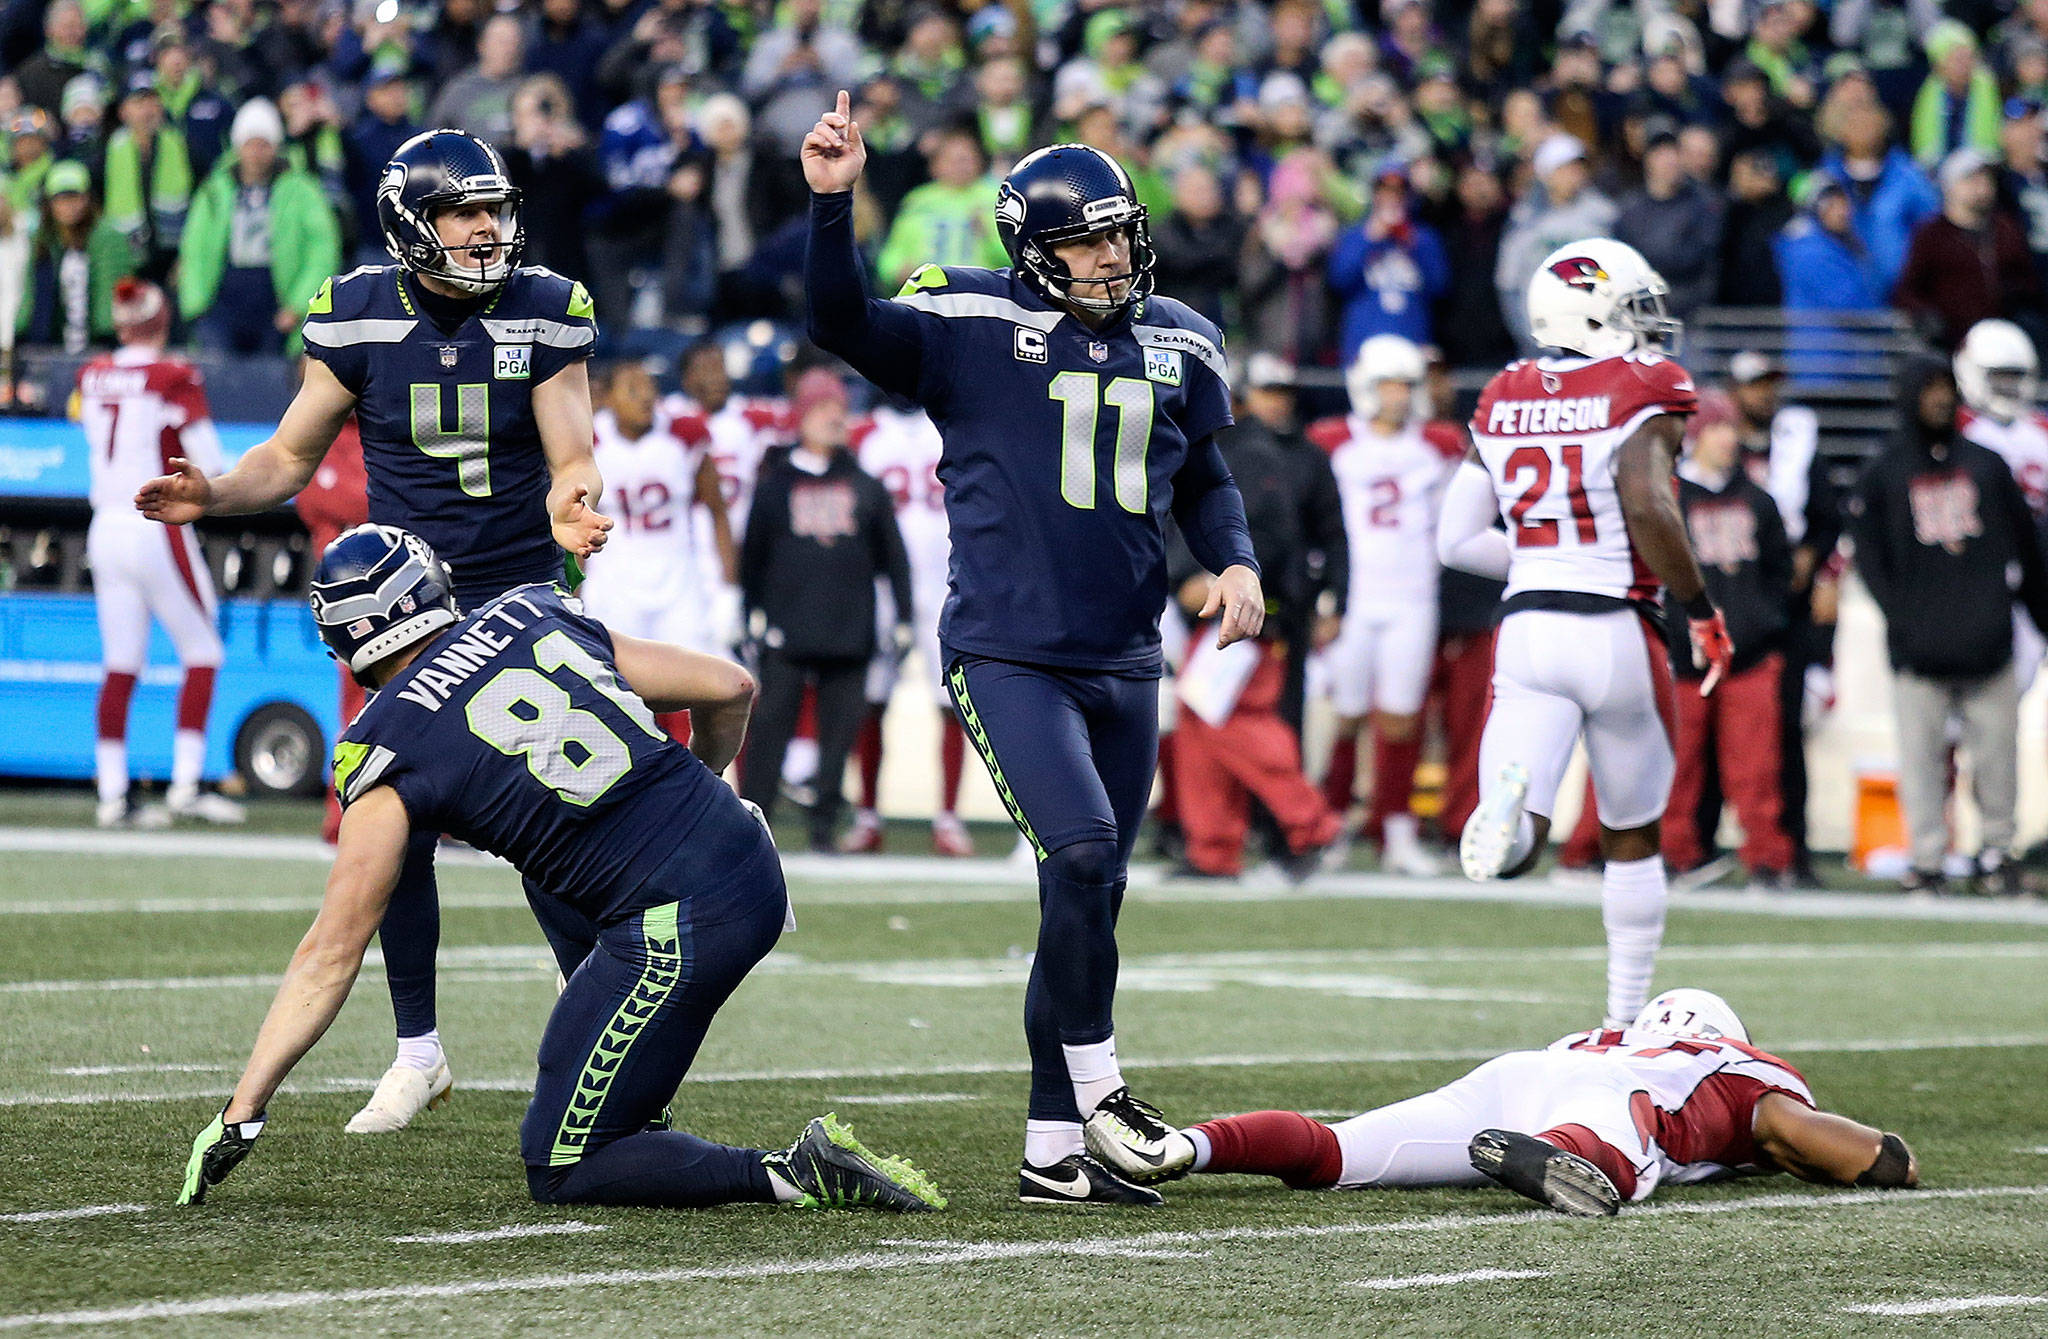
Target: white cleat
column 403, row 1093
column 1490, row 834
column 206, row 807
column 1402, row 851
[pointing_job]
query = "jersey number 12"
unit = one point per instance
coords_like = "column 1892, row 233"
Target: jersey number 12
column 1081, row 398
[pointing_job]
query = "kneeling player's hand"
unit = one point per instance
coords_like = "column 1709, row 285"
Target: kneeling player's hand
column 218, row 1150
column 1712, row 649
column 1238, row 597
column 578, row 528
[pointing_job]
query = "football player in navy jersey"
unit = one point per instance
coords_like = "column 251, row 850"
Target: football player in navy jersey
column 465, row 371
column 528, row 730
column 1076, row 410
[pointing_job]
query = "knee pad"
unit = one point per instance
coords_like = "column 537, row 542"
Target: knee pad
column 545, row 1183
column 1083, row 862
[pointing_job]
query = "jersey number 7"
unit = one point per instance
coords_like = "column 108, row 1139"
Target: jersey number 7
column 1543, row 534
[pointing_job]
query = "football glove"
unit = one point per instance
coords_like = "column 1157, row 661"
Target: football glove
column 901, row 638
column 1712, row 649
column 218, row 1150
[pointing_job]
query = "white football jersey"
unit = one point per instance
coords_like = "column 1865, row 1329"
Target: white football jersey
column 740, row 434
column 139, row 409
column 650, row 487
column 1392, row 489
column 1549, row 432
column 1695, row 1099
column 901, row 448
column 2024, row 444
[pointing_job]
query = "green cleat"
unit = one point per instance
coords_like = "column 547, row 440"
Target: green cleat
column 835, row 1171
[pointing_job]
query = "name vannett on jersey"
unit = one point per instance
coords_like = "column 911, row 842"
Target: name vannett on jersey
column 1583, row 413
column 436, row 681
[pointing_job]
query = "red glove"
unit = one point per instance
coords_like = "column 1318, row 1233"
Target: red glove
column 1712, row 649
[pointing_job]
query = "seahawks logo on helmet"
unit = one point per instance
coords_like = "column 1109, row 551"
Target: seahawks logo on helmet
column 1579, row 272
column 447, row 169
column 1068, row 193
column 1010, row 206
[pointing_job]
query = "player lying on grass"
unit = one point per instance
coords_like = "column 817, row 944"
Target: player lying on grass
column 528, row 730
column 1677, row 1097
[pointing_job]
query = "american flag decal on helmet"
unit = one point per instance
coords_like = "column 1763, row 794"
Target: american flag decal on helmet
column 359, row 628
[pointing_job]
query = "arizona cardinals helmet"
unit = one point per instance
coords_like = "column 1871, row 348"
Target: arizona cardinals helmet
column 1687, row 1012
column 1600, row 298
column 1997, row 370
column 1384, row 358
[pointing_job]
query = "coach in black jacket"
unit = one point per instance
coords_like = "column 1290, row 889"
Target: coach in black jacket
column 821, row 531
column 1938, row 522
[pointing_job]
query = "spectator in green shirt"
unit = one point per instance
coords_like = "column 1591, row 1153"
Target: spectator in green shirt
column 950, row 220
column 73, row 265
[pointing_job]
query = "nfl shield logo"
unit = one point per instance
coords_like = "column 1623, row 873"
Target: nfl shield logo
column 1099, row 352
column 405, row 604
column 448, row 355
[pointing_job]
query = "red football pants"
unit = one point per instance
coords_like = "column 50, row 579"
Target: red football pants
column 1219, row 768
column 1739, row 724
column 1464, row 675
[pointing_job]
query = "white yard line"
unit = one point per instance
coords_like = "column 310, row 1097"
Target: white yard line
column 85, row 1211
column 1254, row 1061
column 923, row 879
column 1441, row 1280
column 521, row 962
column 572, row 1228
column 943, row 1253
column 1943, row 1306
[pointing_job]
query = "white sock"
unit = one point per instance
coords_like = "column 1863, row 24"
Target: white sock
column 786, row 1191
column 110, row 768
column 1093, row 1071
column 1202, row 1150
column 1403, row 832
column 1632, row 900
column 421, row 1052
column 188, row 759
column 1047, row 1141
column 861, row 815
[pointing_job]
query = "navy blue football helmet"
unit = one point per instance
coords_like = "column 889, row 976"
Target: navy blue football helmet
column 1062, row 194
column 377, row 590
column 435, row 171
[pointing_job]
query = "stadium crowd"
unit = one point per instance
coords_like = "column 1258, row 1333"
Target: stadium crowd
column 1319, row 176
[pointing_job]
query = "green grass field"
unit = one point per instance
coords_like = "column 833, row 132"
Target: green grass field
column 131, row 985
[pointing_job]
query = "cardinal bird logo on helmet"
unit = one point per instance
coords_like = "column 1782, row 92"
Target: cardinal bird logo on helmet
column 1579, row 272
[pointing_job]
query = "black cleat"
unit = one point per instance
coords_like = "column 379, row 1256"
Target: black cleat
column 834, row 1171
column 1130, row 1138
column 1080, row 1179
column 1545, row 1173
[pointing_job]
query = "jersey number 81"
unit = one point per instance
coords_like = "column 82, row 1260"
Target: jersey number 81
column 523, row 713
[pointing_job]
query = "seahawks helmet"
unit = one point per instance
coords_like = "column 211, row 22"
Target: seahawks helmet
column 377, row 590
column 1062, row 194
column 439, row 170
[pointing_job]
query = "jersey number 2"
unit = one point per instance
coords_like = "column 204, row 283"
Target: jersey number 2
column 468, row 443
column 1081, row 403
column 1542, row 534
column 523, row 713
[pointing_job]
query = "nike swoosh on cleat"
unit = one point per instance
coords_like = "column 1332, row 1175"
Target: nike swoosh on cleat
column 1077, row 1188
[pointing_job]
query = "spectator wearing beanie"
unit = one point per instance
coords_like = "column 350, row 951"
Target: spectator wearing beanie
column 260, row 241
column 1736, row 532
column 1938, row 522
column 1970, row 262
column 148, row 179
column 74, row 260
column 1388, row 270
column 1675, row 222
column 1824, row 267
column 1758, row 209
column 1957, row 107
column 820, row 533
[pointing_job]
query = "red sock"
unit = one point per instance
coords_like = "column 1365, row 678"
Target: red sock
column 1393, row 775
column 952, row 759
column 807, row 714
column 1302, row 1152
column 1168, row 808
column 1342, row 778
column 195, row 698
column 677, row 723
column 115, row 690
column 1582, row 1141
column 867, row 748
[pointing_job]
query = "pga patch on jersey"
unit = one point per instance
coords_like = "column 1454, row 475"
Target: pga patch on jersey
column 1163, row 366
column 514, row 362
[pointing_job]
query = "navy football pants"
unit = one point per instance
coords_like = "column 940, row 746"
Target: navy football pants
column 623, row 1034
column 410, row 933
column 1072, row 755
